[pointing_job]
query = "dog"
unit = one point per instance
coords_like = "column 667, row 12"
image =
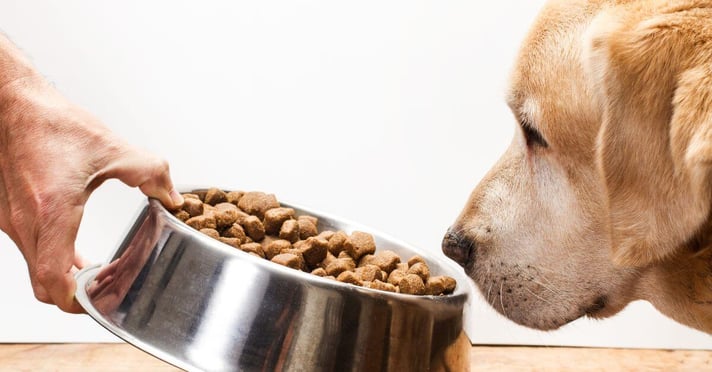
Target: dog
column 603, row 196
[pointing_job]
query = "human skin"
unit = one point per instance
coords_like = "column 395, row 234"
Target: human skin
column 53, row 154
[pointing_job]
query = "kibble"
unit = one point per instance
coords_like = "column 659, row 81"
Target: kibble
column 420, row 269
column 182, row 215
column 225, row 214
column 307, row 226
column 276, row 247
column 254, row 228
column 289, row 231
column 234, row 196
column 233, row 242
column 411, row 284
column 349, row 277
column 257, row 203
column 361, row 244
column 202, row 222
column 255, row 248
column 255, row 223
column 290, row 260
column 275, row 217
column 193, row 206
column 235, row 231
column 215, row 196
column 210, row 232
column 386, row 260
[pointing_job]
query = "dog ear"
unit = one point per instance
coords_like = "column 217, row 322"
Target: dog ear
column 652, row 79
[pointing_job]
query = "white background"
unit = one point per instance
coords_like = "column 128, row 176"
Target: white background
column 382, row 112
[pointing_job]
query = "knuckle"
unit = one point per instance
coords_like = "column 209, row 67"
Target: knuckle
column 45, row 274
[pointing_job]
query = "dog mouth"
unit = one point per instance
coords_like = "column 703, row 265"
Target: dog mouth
column 596, row 309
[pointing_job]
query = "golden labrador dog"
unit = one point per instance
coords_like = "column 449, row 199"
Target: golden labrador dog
column 604, row 195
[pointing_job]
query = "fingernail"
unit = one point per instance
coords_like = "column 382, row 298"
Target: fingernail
column 176, row 198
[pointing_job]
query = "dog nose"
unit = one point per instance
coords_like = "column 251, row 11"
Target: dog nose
column 458, row 248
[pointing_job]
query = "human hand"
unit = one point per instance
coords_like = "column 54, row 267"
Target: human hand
column 53, row 154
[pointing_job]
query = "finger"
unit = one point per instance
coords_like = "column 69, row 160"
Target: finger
column 79, row 261
column 55, row 258
column 151, row 174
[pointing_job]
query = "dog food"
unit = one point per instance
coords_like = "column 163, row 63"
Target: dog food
column 257, row 224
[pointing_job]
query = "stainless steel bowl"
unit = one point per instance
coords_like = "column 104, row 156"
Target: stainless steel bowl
column 200, row 304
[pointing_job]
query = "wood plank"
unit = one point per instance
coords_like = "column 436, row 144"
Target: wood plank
column 124, row 357
column 514, row 358
column 78, row 357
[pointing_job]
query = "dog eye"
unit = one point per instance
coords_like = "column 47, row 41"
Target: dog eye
column 532, row 136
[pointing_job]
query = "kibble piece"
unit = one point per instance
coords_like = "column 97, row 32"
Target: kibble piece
column 210, row 232
column 349, row 277
column 339, row 265
column 313, row 249
column 377, row 284
column 420, row 269
column 255, row 248
column 326, row 234
column 254, row 228
column 307, row 226
column 257, row 203
column 411, row 284
column 234, row 196
column 415, row 259
column 275, row 247
column 361, row 243
column 327, row 260
column 395, row 276
column 215, row 196
column 225, row 214
column 339, row 242
column 182, row 215
column 403, row 266
column 275, row 217
column 194, row 207
column 234, row 242
column 437, row 285
column 330, row 277
column 202, row 222
column 289, row 231
column 386, row 260
column 370, row 273
column 290, row 260
column 235, row 231
column 200, row 194
column 189, row 195
column 365, row 260
column 319, row 272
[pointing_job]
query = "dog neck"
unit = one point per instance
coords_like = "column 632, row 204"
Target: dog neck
column 681, row 287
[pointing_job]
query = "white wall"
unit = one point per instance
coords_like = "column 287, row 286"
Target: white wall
column 383, row 112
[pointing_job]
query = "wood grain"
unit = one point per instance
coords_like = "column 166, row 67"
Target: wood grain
column 123, row 357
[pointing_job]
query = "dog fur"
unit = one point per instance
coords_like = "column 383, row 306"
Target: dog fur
column 604, row 195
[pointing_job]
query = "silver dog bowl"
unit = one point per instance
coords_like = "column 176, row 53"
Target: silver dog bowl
column 199, row 304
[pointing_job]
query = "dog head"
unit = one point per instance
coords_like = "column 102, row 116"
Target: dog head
column 603, row 196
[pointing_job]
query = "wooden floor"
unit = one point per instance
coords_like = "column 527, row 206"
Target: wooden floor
column 123, row 357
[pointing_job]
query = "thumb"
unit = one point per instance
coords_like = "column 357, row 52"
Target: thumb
column 137, row 168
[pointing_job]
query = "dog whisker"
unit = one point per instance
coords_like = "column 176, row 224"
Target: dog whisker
column 489, row 290
column 501, row 298
column 537, row 296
